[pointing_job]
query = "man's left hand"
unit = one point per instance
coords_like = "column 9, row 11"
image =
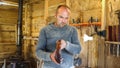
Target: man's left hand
column 63, row 44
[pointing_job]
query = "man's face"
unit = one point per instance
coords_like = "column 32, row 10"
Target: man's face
column 62, row 17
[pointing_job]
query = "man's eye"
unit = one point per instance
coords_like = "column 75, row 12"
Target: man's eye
column 60, row 16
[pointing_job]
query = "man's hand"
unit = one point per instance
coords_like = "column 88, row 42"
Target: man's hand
column 63, row 44
column 52, row 56
column 55, row 56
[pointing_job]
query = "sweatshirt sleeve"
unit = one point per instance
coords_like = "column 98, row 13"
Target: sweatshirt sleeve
column 74, row 46
column 40, row 49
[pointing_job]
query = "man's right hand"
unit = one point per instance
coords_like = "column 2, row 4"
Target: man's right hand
column 52, row 56
column 56, row 55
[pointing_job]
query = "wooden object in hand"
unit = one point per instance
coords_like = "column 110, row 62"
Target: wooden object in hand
column 58, row 52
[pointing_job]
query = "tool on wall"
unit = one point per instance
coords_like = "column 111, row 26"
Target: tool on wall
column 4, row 64
column 99, row 33
column 91, row 20
column 87, row 38
column 76, row 21
column 118, row 13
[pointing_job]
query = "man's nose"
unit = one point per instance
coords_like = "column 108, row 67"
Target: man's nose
column 63, row 20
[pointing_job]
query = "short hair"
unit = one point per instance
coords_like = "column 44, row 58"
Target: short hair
column 65, row 6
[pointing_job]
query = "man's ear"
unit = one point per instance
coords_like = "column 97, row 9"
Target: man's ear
column 55, row 15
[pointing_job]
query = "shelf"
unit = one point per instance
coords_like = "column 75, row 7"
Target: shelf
column 30, row 38
column 87, row 24
column 7, row 31
column 112, row 42
column 13, row 24
column 7, row 43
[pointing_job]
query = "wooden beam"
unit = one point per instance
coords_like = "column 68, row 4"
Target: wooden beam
column 101, row 47
column 10, row 3
column 55, row 2
column 15, row 1
column 103, row 14
column 7, row 43
column 68, row 3
column 87, row 24
column 111, row 42
column 46, row 10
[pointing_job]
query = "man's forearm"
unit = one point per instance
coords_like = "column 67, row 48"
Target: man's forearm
column 73, row 48
column 43, row 55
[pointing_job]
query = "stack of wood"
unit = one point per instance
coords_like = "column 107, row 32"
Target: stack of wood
column 114, row 36
column 114, row 33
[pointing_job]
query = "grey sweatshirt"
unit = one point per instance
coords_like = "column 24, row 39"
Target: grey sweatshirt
column 47, row 44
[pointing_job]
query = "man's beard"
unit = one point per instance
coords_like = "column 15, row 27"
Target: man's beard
column 62, row 24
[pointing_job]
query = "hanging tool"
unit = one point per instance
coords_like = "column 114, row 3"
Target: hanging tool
column 118, row 13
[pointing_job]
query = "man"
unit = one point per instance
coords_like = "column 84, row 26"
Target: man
column 59, row 30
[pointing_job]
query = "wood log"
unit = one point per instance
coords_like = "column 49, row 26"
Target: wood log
column 113, row 33
column 118, row 33
column 109, row 33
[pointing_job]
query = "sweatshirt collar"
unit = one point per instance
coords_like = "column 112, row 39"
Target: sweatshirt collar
column 58, row 28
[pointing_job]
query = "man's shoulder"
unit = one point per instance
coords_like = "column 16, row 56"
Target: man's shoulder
column 47, row 27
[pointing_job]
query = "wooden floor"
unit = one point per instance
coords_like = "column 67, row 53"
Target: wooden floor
column 112, row 62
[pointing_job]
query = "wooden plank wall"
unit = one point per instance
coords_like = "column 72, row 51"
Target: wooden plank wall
column 112, row 20
column 39, row 14
column 8, row 23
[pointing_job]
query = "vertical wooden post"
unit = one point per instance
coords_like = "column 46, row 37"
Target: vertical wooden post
column 26, row 20
column 28, row 28
column 46, row 10
column 68, row 3
column 103, row 15
column 101, row 46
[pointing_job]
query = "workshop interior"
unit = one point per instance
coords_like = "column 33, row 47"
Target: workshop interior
column 97, row 23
